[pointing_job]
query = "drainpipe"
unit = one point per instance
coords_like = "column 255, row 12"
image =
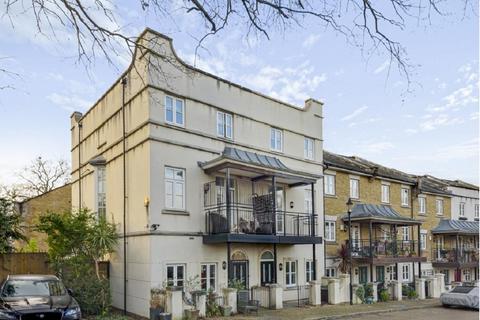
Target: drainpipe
column 124, row 83
column 80, row 126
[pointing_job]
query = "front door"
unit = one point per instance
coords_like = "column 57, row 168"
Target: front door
column 362, row 275
column 380, row 272
column 240, row 272
column 266, row 272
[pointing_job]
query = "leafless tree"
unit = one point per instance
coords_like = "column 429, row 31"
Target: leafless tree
column 42, row 176
column 365, row 24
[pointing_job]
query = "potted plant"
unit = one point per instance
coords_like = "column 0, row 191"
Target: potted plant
column 368, row 293
column 157, row 302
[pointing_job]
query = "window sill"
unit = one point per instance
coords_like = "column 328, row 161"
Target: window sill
column 176, row 125
column 176, row 212
column 331, row 242
column 331, row 196
column 405, row 206
column 439, row 214
column 422, row 214
column 225, row 139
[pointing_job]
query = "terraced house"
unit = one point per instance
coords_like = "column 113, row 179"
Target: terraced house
column 392, row 218
column 204, row 178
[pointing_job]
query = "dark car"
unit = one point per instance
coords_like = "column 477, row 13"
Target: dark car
column 36, row 297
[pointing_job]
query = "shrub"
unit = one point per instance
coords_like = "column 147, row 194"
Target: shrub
column 368, row 290
column 412, row 294
column 213, row 309
column 383, row 295
column 360, row 293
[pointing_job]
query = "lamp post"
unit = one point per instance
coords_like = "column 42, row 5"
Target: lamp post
column 349, row 211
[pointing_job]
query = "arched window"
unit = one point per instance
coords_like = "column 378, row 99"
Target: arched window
column 239, row 255
column 267, row 256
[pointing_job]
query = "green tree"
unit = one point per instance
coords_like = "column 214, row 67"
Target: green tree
column 10, row 226
column 77, row 241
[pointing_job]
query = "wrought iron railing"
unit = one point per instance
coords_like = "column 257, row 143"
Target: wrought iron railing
column 390, row 248
column 449, row 254
column 245, row 219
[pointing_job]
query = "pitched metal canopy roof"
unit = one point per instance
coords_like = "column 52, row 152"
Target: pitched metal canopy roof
column 456, row 227
column 379, row 212
column 257, row 164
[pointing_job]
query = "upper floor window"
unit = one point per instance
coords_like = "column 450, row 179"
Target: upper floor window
column 385, row 193
column 224, row 125
column 404, row 195
column 354, row 188
column 423, row 240
column 422, row 205
column 101, row 192
column 308, row 146
column 406, row 233
column 330, row 230
column 439, row 206
column 329, row 181
column 476, row 211
column 276, row 139
column 308, row 201
column 174, row 188
column 461, row 209
column 174, row 111
column 330, row 272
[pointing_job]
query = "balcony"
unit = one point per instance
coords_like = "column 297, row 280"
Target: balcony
column 450, row 257
column 382, row 251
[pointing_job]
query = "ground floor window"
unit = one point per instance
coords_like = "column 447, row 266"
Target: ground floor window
column 392, row 272
column 309, row 270
column 466, row 275
column 208, row 275
column 406, row 272
column 290, row 273
column 330, row 272
column 362, row 274
column 175, row 275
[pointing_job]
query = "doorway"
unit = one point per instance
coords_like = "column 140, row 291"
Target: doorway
column 267, row 270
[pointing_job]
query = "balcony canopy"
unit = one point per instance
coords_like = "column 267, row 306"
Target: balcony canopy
column 456, row 227
column 257, row 167
column 379, row 213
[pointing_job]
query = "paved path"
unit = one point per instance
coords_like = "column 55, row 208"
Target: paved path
column 436, row 313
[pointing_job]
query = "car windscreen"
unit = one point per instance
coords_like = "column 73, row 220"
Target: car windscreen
column 19, row 288
column 461, row 289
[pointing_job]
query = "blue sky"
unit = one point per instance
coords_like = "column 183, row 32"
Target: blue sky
column 432, row 130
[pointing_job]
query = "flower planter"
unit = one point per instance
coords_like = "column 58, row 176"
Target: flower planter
column 192, row 314
column 226, row 311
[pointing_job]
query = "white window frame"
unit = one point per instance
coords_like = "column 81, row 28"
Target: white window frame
column 330, row 234
column 276, row 139
column 291, row 278
column 330, row 272
column 307, row 202
column 422, row 205
column 439, row 206
column 175, row 278
column 308, row 271
column 208, row 278
column 467, row 275
column 329, row 184
column 174, row 120
column 223, row 119
column 405, row 272
column 101, row 177
column 174, row 182
column 423, row 239
column 309, row 148
column 406, row 233
column 385, row 193
column 461, row 209
column 404, row 195
column 354, row 188
column 477, row 210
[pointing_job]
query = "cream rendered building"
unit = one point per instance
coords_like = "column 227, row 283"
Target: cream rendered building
column 158, row 151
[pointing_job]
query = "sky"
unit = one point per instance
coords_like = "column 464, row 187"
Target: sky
column 429, row 127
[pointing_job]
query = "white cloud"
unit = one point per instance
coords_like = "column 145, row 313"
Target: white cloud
column 382, row 67
column 292, row 85
column 311, row 40
column 355, row 113
column 70, row 103
column 377, row 147
column 459, row 151
column 366, row 121
column 411, row 131
column 439, row 121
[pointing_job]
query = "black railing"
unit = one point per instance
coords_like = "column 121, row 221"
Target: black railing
column 449, row 254
column 389, row 248
column 245, row 219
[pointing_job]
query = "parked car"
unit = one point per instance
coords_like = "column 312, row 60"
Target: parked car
column 461, row 296
column 37, row 297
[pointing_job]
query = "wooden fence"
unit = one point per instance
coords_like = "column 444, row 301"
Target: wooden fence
column 33, row 263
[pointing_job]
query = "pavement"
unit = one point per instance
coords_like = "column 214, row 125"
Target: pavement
column 407, row 309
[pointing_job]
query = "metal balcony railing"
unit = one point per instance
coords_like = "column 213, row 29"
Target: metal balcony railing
column 245, row 219
column 388, row 248
column 450, row 254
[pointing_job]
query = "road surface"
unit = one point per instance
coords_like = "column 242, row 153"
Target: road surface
column 436, row 313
